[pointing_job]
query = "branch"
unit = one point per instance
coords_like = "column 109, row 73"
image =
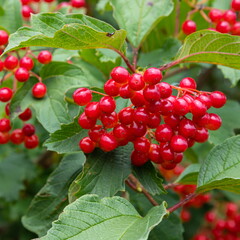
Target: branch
column 182, row 202
column 136, row 185
column 135, row 57
column 126, row 60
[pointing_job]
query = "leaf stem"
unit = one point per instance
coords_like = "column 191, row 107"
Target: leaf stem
column 182, row 202
column 126, row 60
column 133, row 183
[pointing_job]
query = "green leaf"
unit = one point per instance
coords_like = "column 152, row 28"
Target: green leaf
column 10, row 17
column 52, row 198
column 63, row 55
column 51, row 111
column 230, row 121
column 232, row 74
column 103, row 174
column 189, row 175
column 211, row 47
column 73, row 32
column 14, row 169
column 139, row 17
column 115, row 218
column 148, row 177
column 66, row 139
column 221, row 168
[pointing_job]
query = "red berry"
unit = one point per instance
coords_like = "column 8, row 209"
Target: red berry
column 92, row 110
column 111, row 88
column 120, row 75
column 26, row 115
column 121, row 132
column 31, row 142
column 201, row 135
column 230, row 16
column 154, row 107
column 3, row 37
column 109, row 120
column 187, row 128
column 107, row 104
column 168, row 165
column 25, row 2
column 178, row 143
column 107, row 142
column 214, row 122
column 139, row 158
column 7, row 109
column 17, row 136
column 5, row 94
column 167, row 107
column 141, row 115
column 22, row 74
column 82, row 96
column 5, row 125
column 137, row 130
column 236, row 29
column 205, row 99
column 189, row 27
column 48, row 1
column 87, row 145
column 210, row 217
column 218, row 99
column 215, row 15
column 172, row 120
column 142, row 144
column 4, row 137
column 151, row 93
column 223, row 27
column 44, row 57
column 26, row 11
column 27, row 63
column 178, row 157
column 185, row 215
column 188, row 83
column 201, row 237
column 231, row 209
column 154, row 120
column 125, row 91
column 96, row 132
column 180, row 107
column 28, row 130
column 165, row 89
column 236, row 5
column 198, row 108
column 78, row 3
column 138, row 99
column 163, row 133
column 126, row 115
column 136, row 82
column 154, row 153
column 85, row 122
column 39, row 90
column 152, row 76
column 11, row 62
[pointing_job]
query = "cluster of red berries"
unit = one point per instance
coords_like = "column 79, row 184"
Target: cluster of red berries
column 140, row 123
column 18, row 136
column 223, row 21
column 32, row 6
column 224, row 227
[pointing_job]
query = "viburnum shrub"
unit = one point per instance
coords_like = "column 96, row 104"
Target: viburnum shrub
column 119, row 134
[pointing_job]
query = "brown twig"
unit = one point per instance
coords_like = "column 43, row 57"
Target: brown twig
column 170, row 185
column 136, row 185
column 177, row 21
column 126, row 60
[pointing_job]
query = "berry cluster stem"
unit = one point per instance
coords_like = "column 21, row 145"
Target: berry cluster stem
column 126, row 60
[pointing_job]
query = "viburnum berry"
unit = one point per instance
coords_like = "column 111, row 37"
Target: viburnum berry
column 121, row 132
column 215, row 15
column 154, row 153
column 45, row 57
column 4, row 137
column 109, row 120
column 92, row 110
column 126, row 115
column 25, row 2
column 201, row 135
column 28, row 129
column 48, row 1
column 26, row 11
column 185, row 215
column 96, row 132
column 218, row 99
column 11, row 62
column 139, row 158
column 164, row 89
column 189, row 27
column 138, row 99
column 27, row 63
column 85, row 122
column 142, row 144
column 210, row 216
column 82, row 96
column 108, row 142
column 141, row 115
column 151, row 93
column 163, row 133
column 87, row 145
column 152, row 76
column 236, row 29
column 136, row 82
column 111, row 88
column 31, row 142
column 3, row 37
column 107, row 104
column 137, row 129
column 17, row 136
column 236, row 5
column 120, row 75
column 5, row 94
column 22, row 74
column 178, row 143
column 188, row 83
column 214, row 122
column 78, row 3
column 198, row 108
column 7, row 108
column 223, row 27
column 180, row 107
column 5, row 125
column 230, row 16
column 187, row 128
column 26, row 115
column 39, row 90
column 125, row 91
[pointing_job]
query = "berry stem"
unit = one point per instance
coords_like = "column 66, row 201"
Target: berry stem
column 126, row 60
column 170, row 185
column 133, row 183
column 193, row 91
column 135, row 57
column 36, row 76
column 6, row 77
column 204, row 15
column 177, row 19
column 103, row 94
column 182, row 202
